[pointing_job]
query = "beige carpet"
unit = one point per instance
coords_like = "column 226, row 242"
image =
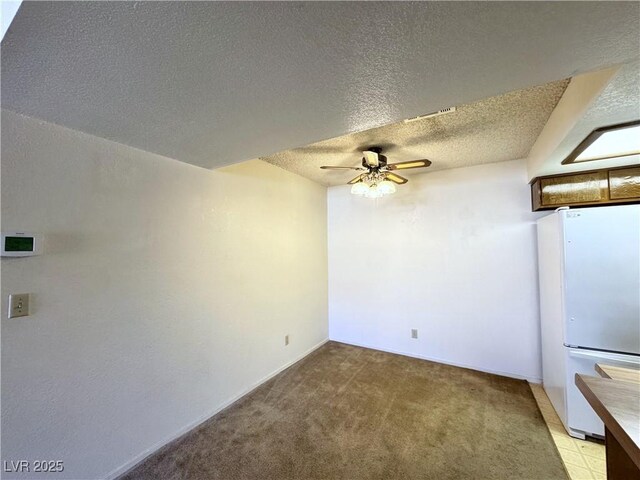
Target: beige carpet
column 351, row 413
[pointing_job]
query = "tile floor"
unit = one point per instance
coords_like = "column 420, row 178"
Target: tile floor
column 583, row 459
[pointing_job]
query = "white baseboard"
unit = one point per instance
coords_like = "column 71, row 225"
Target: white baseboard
column 150, row 451
column 440, row 360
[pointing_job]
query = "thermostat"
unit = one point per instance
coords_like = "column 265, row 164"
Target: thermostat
column 21, row 244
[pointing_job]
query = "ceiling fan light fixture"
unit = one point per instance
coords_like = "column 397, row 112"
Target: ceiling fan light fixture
column 374, row 192
column 378, row 179
column 360, row 188
column 387, row 187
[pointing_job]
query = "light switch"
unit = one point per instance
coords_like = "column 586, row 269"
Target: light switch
column 18, row 305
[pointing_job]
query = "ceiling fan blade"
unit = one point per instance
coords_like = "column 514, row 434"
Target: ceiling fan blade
column 355, row 180
column 331, row 167
column 371, row 158
column 411, row 164
column 396, row 178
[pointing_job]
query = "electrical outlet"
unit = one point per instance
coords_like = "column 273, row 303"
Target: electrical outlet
column 18, row 305
column 286, row 340
column 414, row 333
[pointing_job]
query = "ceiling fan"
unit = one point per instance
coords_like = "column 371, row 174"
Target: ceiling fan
column 379, row 177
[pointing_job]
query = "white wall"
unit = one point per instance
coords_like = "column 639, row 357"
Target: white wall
column 582, row 91
column 164, row 292
column 452, row 254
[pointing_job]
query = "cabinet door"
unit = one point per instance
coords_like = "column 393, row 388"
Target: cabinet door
column 582, row 188
column 624, row 183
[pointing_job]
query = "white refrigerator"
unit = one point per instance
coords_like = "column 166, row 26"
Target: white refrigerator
column 589, row 274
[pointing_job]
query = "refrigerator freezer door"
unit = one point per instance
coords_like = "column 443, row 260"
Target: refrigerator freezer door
column 581, row 419
column 602, row 278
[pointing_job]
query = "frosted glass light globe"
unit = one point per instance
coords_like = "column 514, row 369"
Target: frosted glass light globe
column 386, row 187
column 360, row 188
column 374, row 192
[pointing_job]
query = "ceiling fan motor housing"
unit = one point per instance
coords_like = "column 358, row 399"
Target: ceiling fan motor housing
column 382, row 160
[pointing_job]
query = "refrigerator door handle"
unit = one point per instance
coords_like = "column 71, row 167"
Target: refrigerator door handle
column 604, row 356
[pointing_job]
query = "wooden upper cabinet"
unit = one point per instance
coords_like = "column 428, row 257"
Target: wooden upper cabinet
column 596, row 187
column 624, row 183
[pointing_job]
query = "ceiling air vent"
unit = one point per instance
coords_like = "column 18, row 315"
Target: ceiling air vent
column 429, row 115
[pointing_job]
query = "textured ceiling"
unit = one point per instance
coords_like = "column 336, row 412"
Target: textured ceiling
column 492, row 130
column 618, row 103
column 213, row 83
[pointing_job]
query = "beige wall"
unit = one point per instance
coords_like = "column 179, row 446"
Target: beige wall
column 164, row 292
